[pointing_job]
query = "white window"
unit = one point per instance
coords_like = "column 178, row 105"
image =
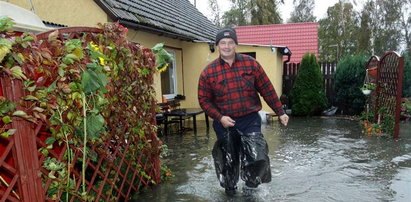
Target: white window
column 169, row 78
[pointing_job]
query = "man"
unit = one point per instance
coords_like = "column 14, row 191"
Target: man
column 228, row 92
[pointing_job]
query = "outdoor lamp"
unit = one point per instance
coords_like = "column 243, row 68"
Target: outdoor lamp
column 211, row 46
column 284, row 50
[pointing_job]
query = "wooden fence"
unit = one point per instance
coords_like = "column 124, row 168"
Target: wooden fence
column 290, row 71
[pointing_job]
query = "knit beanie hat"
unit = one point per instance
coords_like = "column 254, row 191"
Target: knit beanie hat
column 226, row 32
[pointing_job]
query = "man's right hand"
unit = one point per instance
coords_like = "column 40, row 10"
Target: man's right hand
column 227, row 122
column 284, row 119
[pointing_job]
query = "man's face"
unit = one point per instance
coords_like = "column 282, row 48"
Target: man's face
column 226, row 47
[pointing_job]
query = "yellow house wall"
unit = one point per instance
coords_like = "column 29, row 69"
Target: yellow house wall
column 196, row 57
column 71, row 13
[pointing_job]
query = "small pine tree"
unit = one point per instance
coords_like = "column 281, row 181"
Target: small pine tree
column 349, row 78
column 307, row 95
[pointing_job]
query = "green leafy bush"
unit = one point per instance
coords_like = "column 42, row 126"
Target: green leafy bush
column 406, row 83
column 308, row 96
column 349, row 78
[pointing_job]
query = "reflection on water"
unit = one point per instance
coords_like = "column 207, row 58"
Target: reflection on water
column 311, row 160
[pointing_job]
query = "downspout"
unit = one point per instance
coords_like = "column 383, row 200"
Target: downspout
column 288, row 59
column 285, row 51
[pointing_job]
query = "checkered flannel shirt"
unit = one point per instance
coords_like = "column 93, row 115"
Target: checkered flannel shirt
column 232, row 91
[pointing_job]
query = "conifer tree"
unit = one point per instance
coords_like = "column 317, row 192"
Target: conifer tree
column 349, row 78
column 307, row 95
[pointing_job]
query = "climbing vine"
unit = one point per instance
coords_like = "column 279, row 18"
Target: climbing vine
column 84, row 90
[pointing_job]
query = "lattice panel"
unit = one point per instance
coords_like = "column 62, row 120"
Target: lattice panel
column 8, row 172
column 18, row 162
column 115, row 172
column 389, row 87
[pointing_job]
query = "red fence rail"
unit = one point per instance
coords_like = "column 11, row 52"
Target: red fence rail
column 19, row 163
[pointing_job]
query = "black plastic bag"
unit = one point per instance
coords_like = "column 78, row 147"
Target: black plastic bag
column 226, row 159
column 253, row 150
column 255, row 164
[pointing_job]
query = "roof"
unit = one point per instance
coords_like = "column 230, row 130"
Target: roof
column 53, row 25
column 300, row 38
column 24, row 20
column 173, row 18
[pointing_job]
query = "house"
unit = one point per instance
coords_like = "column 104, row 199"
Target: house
column 187, row 34
column 300, row 38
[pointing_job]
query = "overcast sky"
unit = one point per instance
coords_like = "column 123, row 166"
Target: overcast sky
column 320, row 9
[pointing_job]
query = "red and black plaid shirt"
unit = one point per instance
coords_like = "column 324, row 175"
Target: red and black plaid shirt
column 232, row 91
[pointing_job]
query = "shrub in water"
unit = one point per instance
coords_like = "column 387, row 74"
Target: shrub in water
column 308, row 96
column 349, row 78
column 406, row 83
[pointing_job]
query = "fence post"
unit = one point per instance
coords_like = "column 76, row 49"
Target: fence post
column 25, row 148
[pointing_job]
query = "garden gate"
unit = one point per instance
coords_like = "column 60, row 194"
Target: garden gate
column 389, row 90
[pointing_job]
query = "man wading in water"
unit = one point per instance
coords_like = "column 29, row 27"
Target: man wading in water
column 228, row 92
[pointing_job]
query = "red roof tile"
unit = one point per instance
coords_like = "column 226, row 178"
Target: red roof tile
column 300, row 38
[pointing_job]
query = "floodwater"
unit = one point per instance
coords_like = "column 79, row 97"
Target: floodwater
column 312, row 159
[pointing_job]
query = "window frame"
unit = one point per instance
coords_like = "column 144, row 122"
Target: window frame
column 174, row 75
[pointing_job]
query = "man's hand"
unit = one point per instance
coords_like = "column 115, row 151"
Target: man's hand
column 284, row 119
column 227, row 122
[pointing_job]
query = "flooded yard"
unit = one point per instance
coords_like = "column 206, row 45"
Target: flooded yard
column 315, row 159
